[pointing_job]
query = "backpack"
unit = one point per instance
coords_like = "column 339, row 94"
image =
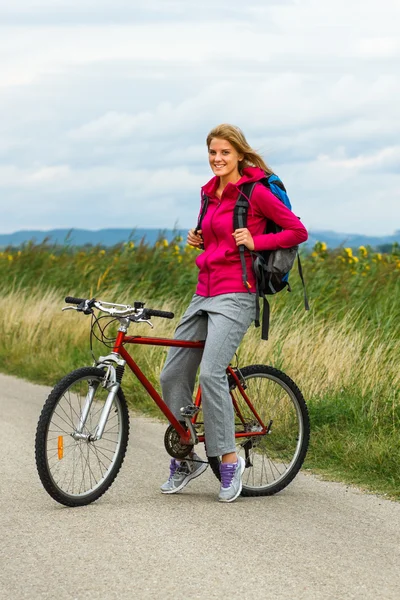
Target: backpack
column 271, row 267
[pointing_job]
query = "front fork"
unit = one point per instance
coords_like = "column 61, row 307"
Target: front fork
column 111, row 382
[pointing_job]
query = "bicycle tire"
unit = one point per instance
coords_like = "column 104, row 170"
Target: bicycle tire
column 59, row 415
column 270, row 391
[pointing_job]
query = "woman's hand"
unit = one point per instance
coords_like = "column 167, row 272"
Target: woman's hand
column 243, row 236
column 195, row 239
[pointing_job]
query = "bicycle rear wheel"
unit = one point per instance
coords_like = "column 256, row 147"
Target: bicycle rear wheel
column 76, row 471
column 274, row 459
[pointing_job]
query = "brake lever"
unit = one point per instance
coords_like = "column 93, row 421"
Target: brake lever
column 139, row 320
column 146, row 321
column 70, row 308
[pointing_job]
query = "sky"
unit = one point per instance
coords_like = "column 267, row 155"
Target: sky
column 105, row 108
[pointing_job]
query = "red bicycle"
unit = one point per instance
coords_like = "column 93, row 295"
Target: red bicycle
column 83, row 429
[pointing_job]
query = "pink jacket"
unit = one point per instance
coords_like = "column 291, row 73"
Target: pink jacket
column 220, row 269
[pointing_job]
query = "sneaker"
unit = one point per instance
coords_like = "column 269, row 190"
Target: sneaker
column 231, row 480
column 181, row 472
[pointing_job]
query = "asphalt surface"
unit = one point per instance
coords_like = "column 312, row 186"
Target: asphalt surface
column 316, row 539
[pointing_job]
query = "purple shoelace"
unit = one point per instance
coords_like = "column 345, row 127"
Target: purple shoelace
column 227, row 471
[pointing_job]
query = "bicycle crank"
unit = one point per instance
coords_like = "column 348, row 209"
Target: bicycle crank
column 173, row 444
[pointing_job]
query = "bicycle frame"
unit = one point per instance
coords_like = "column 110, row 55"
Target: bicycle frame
column 119, row 349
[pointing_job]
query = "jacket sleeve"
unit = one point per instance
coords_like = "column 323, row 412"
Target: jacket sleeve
column 293, row 231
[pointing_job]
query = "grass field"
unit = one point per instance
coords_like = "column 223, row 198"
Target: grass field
column 343, row 354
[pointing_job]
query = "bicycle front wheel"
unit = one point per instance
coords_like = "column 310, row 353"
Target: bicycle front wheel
column 273, row 459
column 74, row 469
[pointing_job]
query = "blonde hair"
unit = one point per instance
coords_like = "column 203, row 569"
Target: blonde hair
column 235, row 136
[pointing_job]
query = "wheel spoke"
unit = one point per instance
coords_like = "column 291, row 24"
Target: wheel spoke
column 96, row 451
column 62, row 419
column 108, row 439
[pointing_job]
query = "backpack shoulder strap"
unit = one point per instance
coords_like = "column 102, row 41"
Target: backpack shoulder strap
column 242, row 205
column 240, row 221
column 204, row 206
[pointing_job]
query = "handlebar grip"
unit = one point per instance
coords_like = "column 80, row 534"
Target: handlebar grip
column 158, row 313
column 72, row 300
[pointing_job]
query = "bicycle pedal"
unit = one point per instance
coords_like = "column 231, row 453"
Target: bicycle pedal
column 189, row 411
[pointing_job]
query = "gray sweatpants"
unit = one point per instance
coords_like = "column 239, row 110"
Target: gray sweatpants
column 222, row 322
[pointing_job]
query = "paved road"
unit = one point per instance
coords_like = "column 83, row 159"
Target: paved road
column 315, row 540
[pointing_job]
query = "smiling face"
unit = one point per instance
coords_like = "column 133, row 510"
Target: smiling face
column 224, row 159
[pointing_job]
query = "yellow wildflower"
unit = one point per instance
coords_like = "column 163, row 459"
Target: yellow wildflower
column 363, row 252
column 348, row 252
column 10, row 257
column 102, row 252
column 131, row 244
column 320, row 247
column 314, row 254
column 165, row 243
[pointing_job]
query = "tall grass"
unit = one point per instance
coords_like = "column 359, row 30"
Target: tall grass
column 343, row 354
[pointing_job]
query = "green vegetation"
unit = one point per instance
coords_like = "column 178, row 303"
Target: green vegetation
column 343, row 354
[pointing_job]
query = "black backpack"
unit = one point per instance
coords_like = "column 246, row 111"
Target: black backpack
column 271, row 267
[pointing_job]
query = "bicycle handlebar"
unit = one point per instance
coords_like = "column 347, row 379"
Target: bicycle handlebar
column 119, row 310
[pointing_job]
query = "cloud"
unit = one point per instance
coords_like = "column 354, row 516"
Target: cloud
column 73, row 12
column 108, row 105
column 386, row 160
column 101, row 197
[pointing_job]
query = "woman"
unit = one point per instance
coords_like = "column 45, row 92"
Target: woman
column 222, row 309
